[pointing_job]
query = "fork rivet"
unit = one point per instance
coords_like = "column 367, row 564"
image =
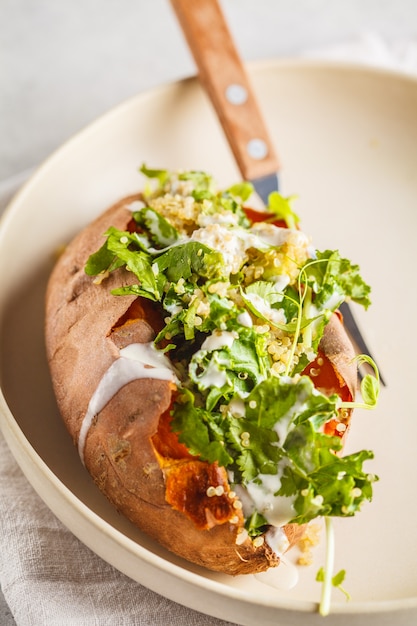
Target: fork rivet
column 236, row 94
column 257, row 149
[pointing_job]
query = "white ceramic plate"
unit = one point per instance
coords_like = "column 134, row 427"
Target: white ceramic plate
column 348, row 141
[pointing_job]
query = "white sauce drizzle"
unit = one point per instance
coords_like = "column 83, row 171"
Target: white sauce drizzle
column 218, row 340
column 138, row 360
column 271, row 235
column 281, row 426
column 232, row 243
column 285, row 576
column 277, row 510
column 244, row 319
column 277, row 540
column 152, row 218
column 228, row 219
column 229, row 242
column 281, row 281
column 237, row 407
column 276, row 316
column 173, row 309
column 136, row 205
column 213, row 376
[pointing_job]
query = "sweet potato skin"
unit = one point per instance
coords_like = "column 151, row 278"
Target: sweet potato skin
column 83, row 336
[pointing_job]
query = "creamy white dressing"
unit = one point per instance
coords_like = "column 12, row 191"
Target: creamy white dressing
column 281, row 426
column 277, row 540
column 228, row 219
column 237, row 407
column 136, row 205
column 232, row 243
column 156, row 251
column 277, row 510
column 281, row 281
column 334, row 301
column 138, row 360
column 153, row 219
column 248, row 505
column 244, row 319
column 271, row 235
column 213, row 376
column 229, row 242
column 219, row 339
column 173, row 309
column 285, row 576
column 276, row 316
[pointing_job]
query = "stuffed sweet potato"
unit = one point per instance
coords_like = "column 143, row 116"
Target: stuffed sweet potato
column 203, row 372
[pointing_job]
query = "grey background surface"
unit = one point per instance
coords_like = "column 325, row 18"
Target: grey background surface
column 64, row 63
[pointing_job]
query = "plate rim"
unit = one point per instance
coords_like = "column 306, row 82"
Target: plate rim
column 15, row 436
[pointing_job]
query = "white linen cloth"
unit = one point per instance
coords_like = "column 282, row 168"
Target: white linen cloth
column 50, row 578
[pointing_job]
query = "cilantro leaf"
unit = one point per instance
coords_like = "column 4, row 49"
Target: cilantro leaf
column 200, row 430
column 241, row 190
column 260, row 455
column 104, row 260
column 201, row 180
column 161, row 175
column 256, row 524
column 280, row 432
column 162, row 232
column 330, row 274
column 281, row 207
column 189, row 258
column 241, row 365
column 126, row 247
column 266, row 290
column 328, row 484
column 285, row 400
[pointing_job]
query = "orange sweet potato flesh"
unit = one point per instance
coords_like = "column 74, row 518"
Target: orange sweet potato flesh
column 130, row 451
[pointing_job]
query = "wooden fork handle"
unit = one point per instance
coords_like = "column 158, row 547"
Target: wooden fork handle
column 225, row 80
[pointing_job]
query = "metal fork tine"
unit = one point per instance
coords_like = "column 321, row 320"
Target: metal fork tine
column 356, row 336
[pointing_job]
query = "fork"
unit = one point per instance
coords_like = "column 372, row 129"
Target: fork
column 222, row 74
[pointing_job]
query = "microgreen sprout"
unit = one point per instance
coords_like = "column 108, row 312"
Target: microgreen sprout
column 281, row 208
column 370, row 386
column 303, row 306
column 325, row 574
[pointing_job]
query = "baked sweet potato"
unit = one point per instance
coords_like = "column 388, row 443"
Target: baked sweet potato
column 118, row 367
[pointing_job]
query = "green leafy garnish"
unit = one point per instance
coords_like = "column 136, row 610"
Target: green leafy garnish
column 241, row 190
column 282, row 210
column 330, row 275
column 188, row 259
column 244, row 311
column 161, row 175
column 104, row 260
column 370, row 386
column 336, row 580
column 161, row 231
column 201, row 429
column 283, row 420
